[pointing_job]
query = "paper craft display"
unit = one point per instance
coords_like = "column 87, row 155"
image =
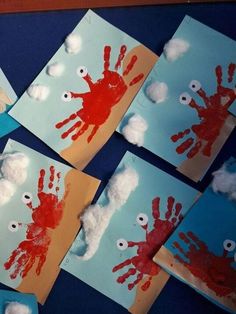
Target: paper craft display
column 7, row 98
column 122, row 267
column 85, row 89
column 40, row 221
column 10, row 300
column 185, row 99
column 202, row 250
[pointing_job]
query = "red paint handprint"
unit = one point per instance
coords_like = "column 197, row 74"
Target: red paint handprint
column 216, row 271
column 46, row 216
column 212, row 116
column 142, row 262
column 105, row 93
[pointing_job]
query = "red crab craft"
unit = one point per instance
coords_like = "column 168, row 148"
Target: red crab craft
column 212, row 116
column 105, row 93
column 142, row 263
column 46, row 216
column 216, row 271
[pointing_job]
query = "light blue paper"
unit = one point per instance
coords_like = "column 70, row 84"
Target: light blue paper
column 208, row 49
column 7, row 123
column 11, row 296
column 95, row 34
column 97, row 272
column 213, row 220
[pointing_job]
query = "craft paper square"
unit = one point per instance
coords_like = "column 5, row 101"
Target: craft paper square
column 7, row 98
column 39, row 223
column 138, row 288
column 202, row 250
column 11, row 296
column 113, row 66
column 189, row 130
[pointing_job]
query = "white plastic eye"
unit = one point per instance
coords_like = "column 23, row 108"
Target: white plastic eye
column 27, row 198
column 122, row 244
column 82, row 71
column 229, row 245
column 195, row 85
column 13, row 226
column 66, row 96
column 185, row 98
column 142, row 219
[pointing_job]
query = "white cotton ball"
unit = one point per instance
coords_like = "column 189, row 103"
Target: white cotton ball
column 55, row 69
column 157, row 92
column 224, row 182
column 7, row 190
column 17, row 308
column 38, row 92
column 135, row 129
column 175, row 48
column 121, row 185
column 73, row 43
column 14, row 168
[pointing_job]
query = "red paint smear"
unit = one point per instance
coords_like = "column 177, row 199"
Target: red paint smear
column 105, row 93
column 143, row 261
column 47, row 215
column 215, row 271
column 212, row 117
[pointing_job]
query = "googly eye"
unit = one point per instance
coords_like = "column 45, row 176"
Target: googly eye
column 13, row 226
column 195, row 85
column 229, row 245
column 185, row 98
column 27, row 198
column 66, row 96
column 142, row 219
column 82, row 71
column 122, row 244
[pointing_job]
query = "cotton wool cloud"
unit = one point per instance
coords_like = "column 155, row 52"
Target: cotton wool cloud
column 38, row 92
column 224, row 182
column 157, row 92
column 175, row 49
column 14, row 171
column 135, row 129
column 96, row 218
column 55, row 69
column 73, row 43
column 17, row 308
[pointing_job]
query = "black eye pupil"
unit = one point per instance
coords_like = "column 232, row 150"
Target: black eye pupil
column 81, row 71
column 228, row 245
column 141, row 218
column 121, row 244
column 14, row 226
column 27, row 197
column 193, row 86
column 66, row 95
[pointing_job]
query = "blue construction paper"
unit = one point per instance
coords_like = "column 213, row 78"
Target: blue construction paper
column 7, row 123
column 97, row 272
column 208, row 49
column 213, row 220
column 12, row 296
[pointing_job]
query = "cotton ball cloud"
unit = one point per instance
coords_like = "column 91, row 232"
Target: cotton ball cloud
column 175, row 48
column 14, row 168
column 157, row 92
column 17, row 308
column 135, row 129
column 7, row 190
column 38, row 92
column 96, row 218
column 73, row 43
column 224, row 182
column 55, row 69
